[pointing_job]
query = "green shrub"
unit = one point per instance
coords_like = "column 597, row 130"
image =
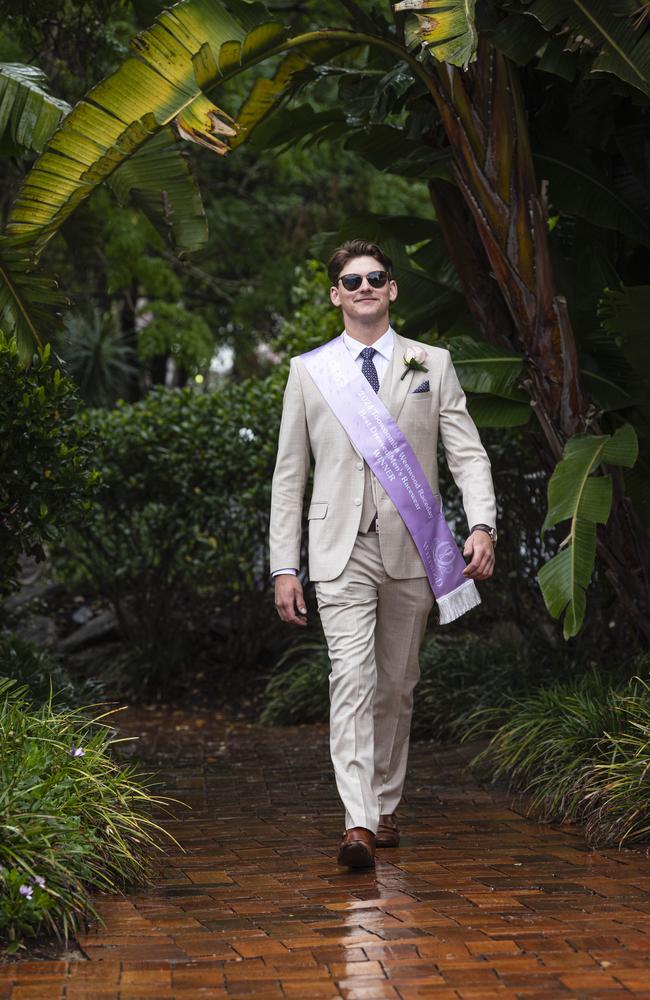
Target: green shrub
column 35, row 669
column 177, row 539
column 458, row 675
column 579, row 750
column 72, row 819
column 45, row 458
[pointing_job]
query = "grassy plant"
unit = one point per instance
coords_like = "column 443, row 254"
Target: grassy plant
column 580, row 749
column 298, row 690
column 72, row 819
column 463, row 674
column 617, row 788
column 548, row 740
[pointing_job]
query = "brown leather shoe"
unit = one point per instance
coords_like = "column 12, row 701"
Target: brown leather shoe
column 388, row 831
column 357, row 848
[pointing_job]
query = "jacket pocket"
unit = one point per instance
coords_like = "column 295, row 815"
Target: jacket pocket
column 318, row 509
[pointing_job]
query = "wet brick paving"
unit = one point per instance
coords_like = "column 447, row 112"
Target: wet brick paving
column 478, row 902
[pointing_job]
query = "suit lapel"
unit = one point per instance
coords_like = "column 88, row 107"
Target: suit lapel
column 394, row 389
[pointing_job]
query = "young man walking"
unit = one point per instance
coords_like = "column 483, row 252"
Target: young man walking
column 369, row 407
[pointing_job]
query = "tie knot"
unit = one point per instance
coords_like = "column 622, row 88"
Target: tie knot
column 367, row 353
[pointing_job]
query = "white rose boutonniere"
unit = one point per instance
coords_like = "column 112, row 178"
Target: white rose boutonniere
column 413, row 359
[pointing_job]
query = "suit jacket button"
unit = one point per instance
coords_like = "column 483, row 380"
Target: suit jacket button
column 357, row 502
column 359, row 465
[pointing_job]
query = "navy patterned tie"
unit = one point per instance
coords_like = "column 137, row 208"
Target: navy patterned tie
column 368, row 367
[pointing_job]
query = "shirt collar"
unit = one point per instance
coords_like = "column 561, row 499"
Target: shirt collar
column 383, row 346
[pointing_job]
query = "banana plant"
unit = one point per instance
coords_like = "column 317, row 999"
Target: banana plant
column 576, row 495
column 496, row 222
column 166, row 83
column 192, row 49
column 157, row 178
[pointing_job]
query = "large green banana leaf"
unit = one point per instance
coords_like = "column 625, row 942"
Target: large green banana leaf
column 575, row 495
column 620, row 37
column 157, row 177
column 188, row 49
column 605, row 392
column 491, row 375
column 445, row 27
column 28, row 114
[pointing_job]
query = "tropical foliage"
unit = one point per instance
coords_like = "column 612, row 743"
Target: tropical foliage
column 584, row 500
column 72, row 819
column 526, row 212
column 578, row 750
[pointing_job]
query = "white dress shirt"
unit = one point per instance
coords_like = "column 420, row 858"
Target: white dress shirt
column 381, row 360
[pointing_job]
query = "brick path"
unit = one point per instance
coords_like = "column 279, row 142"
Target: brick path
column 478, row 903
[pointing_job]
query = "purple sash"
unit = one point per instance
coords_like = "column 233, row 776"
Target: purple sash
column 391, row 458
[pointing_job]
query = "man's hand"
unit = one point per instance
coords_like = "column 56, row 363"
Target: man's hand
column 479, row 546
column 289, row 599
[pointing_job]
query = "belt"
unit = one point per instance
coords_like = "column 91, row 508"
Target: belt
column 373, row 526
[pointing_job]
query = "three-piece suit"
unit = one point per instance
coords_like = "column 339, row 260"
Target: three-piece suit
column 371, row 588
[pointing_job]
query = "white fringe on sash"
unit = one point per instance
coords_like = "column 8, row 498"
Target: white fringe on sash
column 458, row 601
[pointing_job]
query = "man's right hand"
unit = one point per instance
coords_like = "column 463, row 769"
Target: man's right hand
column 289, row 599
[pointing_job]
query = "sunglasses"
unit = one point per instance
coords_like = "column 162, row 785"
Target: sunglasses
column 376, row 279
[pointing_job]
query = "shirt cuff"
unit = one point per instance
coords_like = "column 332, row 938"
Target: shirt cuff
column 277, row 572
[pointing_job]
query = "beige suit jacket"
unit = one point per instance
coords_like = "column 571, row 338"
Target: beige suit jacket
column 309, row 428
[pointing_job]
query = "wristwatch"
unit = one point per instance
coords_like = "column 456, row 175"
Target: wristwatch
column 492, row 532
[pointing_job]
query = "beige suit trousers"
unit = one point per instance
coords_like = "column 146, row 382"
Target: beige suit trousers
column 373, row 625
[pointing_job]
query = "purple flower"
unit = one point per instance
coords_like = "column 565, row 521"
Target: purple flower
column 26, row 890
column 39, row 881
column 76, row 751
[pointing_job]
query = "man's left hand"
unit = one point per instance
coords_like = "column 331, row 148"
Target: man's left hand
column 479, row 546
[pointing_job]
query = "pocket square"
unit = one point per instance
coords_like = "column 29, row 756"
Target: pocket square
column 423, row 387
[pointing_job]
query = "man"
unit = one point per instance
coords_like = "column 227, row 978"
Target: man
column 372, row 589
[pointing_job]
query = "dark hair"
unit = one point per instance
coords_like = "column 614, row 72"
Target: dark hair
column 355, row 248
